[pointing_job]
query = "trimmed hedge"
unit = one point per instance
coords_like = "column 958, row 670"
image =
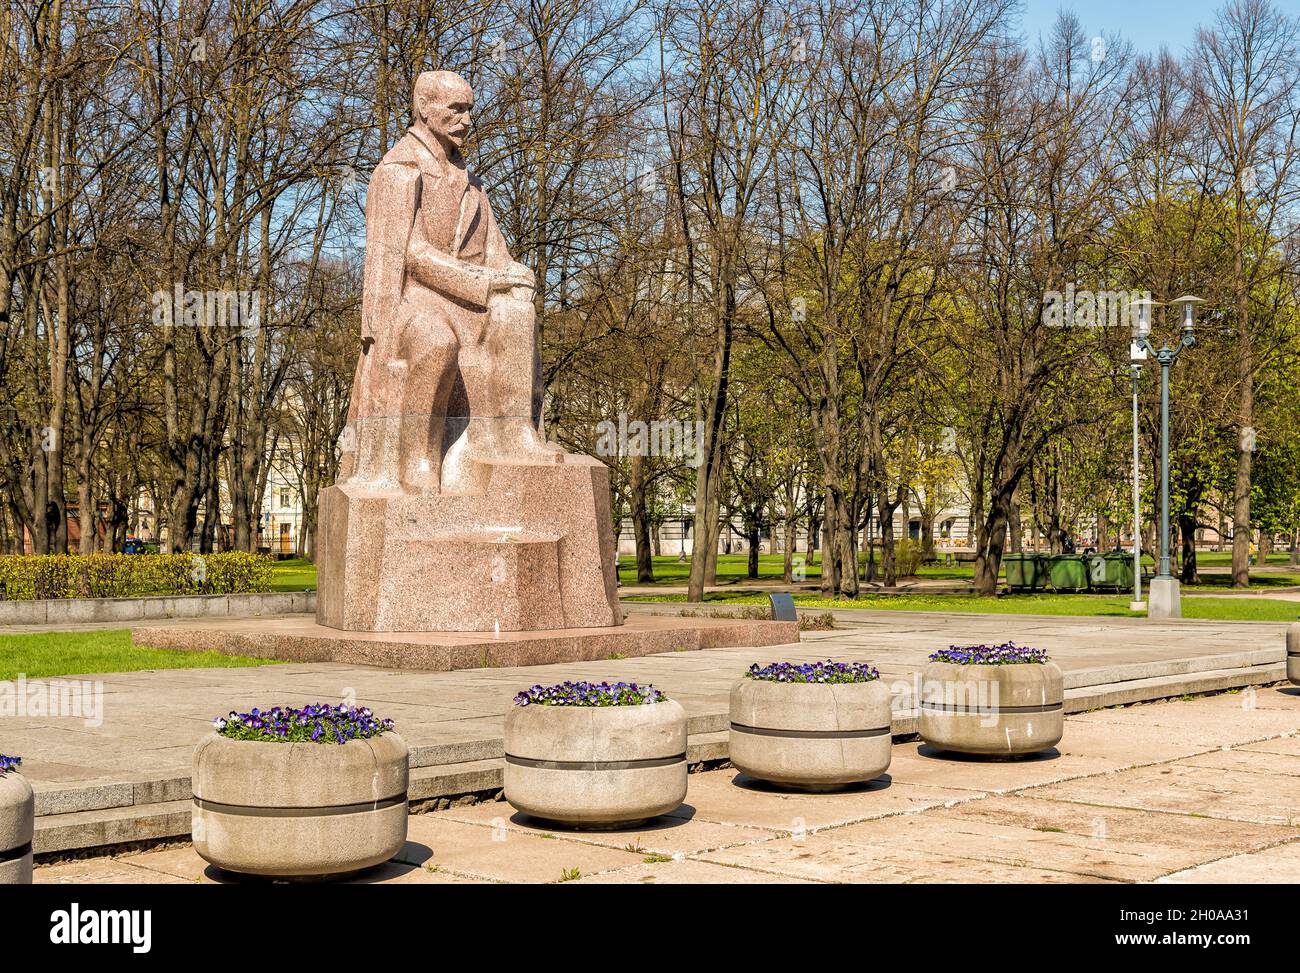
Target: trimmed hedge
column 37, row 576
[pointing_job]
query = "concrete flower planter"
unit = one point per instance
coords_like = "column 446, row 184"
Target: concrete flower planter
column 299, row 809
column 810, row 735
column 17, row 813
column 992, row 709
column 596, row 766
column 1293, row 654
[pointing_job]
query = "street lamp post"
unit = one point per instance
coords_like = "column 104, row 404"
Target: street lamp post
column 1164, row 599
column 1136, row 604
column 1137, row 355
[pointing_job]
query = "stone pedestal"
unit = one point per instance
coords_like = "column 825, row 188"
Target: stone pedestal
column 1164, row 599
column 531, row 550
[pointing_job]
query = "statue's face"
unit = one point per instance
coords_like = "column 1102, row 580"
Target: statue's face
column 446, row 113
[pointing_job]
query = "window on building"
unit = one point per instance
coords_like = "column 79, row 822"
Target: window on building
column 286, row 497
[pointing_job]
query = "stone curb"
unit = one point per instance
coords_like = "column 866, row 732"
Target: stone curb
column 78, row 611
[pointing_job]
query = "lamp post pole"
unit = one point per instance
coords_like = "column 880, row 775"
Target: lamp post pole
column 1165, row 600
column 1137, row 354
column 1136, row 605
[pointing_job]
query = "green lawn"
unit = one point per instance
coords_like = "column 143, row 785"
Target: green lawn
column 1223, row 559
column 107, row 650
column 734, row 569
column 1234, row 609
column 300, row 575
column 1272, row 579
column 295, row 574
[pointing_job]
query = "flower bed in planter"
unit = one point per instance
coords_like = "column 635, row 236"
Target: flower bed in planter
column 816, row 726
column 999, row 699
column 300, row 792
column 1293, row 654
column 17, row 813
column 595, row 755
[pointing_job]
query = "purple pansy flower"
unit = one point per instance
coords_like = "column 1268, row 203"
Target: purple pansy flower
column 825, row 671
column 1007, row 654
column 589, row 694
column 315, row 723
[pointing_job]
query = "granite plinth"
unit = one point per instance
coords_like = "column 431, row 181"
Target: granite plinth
column 532, row 552
column 299, row 640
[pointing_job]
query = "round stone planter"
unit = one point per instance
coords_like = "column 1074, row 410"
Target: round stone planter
column 596, row 766
column 997, row 710
column 1293, row 654
column 811, row 736
column 299, row 809
column 17, row 812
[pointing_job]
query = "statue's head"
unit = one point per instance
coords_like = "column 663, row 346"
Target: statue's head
column 443, row 100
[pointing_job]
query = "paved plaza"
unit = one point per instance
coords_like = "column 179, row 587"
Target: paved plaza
column 1200, row 790
column 128, row 779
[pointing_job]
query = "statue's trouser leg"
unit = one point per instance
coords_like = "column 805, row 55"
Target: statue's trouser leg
column 374, row 429
column 512, row 347
column 429, row 347
column 350, row 441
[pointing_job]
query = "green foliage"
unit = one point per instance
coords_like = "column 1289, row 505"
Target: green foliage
column 908, row 555
column 28, row 577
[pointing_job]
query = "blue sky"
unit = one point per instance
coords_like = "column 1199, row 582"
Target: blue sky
column 1147, row 24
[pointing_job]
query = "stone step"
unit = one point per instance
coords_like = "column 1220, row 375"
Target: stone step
column 1171, row 686
column 110, row 826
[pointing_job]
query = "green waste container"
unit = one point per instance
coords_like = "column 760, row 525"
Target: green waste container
column 1097, row 572
column 1114, row 571
column 1025, row 572
column 1069, row 572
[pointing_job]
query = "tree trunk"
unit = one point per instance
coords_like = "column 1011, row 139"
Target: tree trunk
column 1187, row 534
column 753, row 535
column 645, row 572
column 993, row 531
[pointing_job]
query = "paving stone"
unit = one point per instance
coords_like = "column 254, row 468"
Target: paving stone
column 1085, row 840
column 1184, row 788
column 1248, row 761
column 688, row 872
column 1272, row 866
column 825, row 858
column 180, row 861
column 919, row 763
column 667, row 835
column 396, row 873
column 1131, row 744
column 101, row 871
column 505, row 856
column 728, row 797
column 1221, row 720
column 1286, row 745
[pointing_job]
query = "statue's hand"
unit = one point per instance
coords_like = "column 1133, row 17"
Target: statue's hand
column 516, row 275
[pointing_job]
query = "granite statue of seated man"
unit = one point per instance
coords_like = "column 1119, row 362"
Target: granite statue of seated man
column 449, row 375
column 451, row 511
